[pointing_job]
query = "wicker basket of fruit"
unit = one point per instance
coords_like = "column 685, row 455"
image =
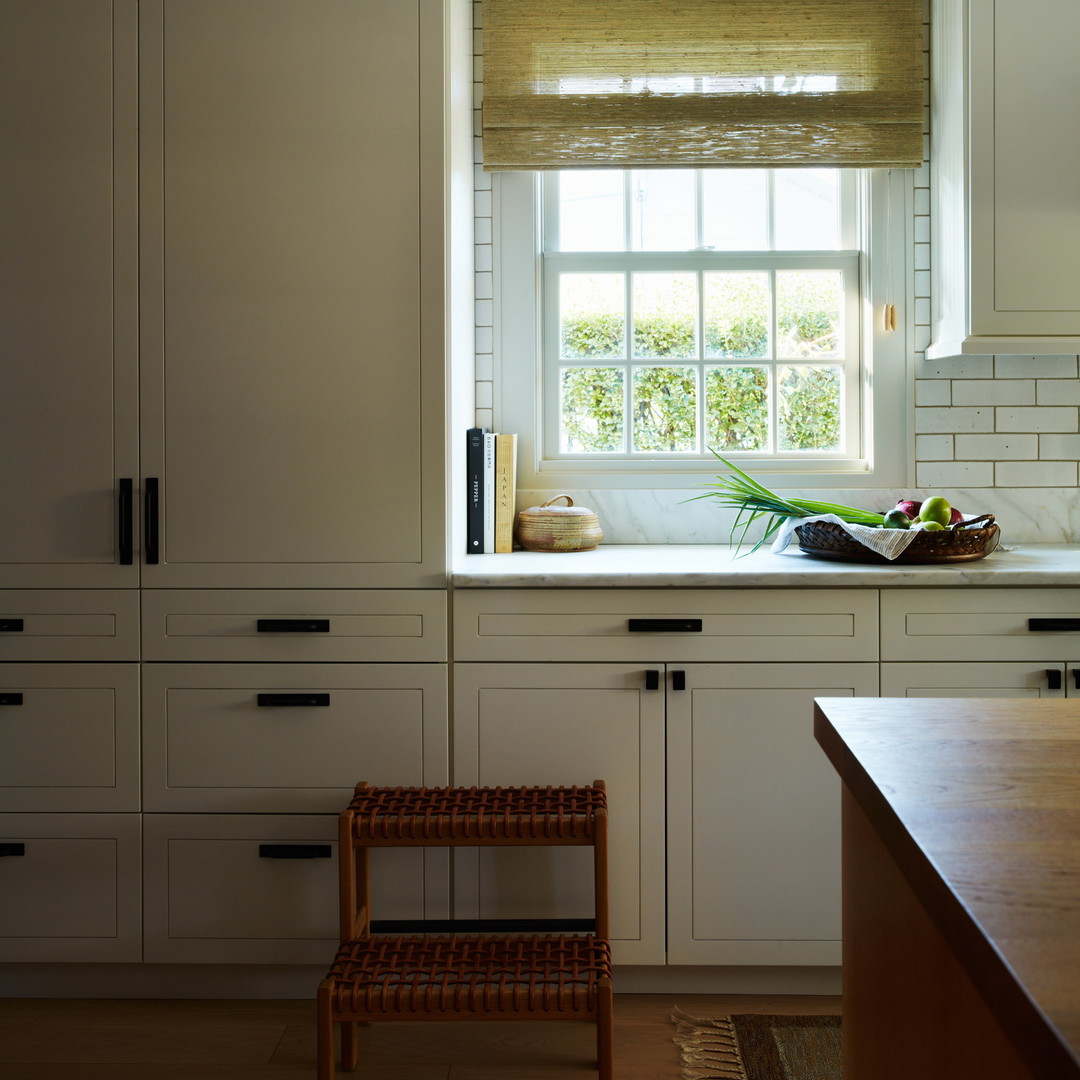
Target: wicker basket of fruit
column 975, row 540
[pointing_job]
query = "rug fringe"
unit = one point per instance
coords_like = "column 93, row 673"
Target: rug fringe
column 708, row 1046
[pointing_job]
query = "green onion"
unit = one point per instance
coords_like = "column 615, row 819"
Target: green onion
column 752, row 500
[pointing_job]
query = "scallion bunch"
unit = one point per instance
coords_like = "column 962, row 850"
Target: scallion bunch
column 752, row 500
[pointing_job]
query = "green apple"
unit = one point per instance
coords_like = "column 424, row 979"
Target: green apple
column 936, row 509
column 932, row 526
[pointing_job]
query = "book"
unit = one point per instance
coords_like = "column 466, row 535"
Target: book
column 489, row 492
column 474, row 506
column 505, row 491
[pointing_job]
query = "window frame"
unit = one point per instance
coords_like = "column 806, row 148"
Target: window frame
column 884, row 456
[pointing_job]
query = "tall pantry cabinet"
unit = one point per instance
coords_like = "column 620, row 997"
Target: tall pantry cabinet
column 222, row 356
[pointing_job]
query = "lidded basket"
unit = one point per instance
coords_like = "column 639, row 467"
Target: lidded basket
column 558, row 528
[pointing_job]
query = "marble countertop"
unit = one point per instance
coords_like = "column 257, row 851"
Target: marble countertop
column 709, row 565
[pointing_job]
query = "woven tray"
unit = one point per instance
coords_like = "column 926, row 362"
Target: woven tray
column 824, row 540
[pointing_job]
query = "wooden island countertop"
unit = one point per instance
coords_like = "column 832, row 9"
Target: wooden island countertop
column 961, row 885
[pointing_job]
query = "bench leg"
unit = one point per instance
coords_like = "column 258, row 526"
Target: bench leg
column 605, row 1036
column 349, row 1046
column 324, row 1032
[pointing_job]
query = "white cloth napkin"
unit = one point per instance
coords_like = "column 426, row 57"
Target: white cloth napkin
column 887, row 542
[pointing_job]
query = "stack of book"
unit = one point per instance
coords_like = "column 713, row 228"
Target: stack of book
column 491, row 469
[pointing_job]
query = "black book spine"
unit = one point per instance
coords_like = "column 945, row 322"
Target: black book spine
column 474, row 471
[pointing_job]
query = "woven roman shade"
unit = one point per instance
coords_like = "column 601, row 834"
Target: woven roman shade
column 653, row 83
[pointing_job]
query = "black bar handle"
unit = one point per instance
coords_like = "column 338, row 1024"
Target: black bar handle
column 678, row 680
column 7, row 850
column 1054, row 624
column 652, row 680
column 11, row 699
column 125, row 502
column 294, row 851
column 1053, row 679
column 654, row 626
column 151, row 544
column 272, row 700
column 12, row 626
column 1076, row 677
column 293, row 626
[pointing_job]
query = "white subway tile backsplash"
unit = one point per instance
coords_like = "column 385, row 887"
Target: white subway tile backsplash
column 952, row 420
column 1059, row 446
column 997, row 447
column 934, row 448
column 484, row 395
column 994, row 392
column 1035, row 367
column 484, row 339
column 954, row 474
column 1058, row 392
column 1037, row 418
column 963, row 367
column 1036, row 473
column 933, row 392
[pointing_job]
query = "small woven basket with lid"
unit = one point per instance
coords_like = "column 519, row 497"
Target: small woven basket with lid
column 826, row 540
column 558, row 528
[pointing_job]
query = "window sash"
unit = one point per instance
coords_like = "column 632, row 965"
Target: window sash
column 556, row 264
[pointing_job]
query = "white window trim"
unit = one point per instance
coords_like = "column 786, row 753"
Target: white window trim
column 887, row 277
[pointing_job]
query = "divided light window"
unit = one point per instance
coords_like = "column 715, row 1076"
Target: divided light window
column 687, row 311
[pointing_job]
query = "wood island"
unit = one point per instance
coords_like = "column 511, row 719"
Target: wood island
column 961, row 886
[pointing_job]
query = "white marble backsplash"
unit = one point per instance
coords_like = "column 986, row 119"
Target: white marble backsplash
column 1025, row 515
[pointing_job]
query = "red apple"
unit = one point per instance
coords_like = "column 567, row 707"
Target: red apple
column 955, row 517
column 910, row 507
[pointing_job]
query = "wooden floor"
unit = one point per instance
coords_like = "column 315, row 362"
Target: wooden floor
column 275, row 1040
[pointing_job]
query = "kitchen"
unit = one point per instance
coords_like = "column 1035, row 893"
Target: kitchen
column 150, row 635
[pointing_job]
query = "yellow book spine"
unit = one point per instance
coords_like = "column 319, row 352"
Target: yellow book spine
column 505, row 491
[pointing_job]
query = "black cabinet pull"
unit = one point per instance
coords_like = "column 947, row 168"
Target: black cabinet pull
column 1053, row 679
column 1054, row 624
column 652, row 680
column 1076, row 677
column 678, row 680
column 272, row 700
column 7, row 850
column 125, row 502
column 655, row 626
column 11, row 626
column 11, row 699
column 151, row 538
column 293, row 626
column 294, row 851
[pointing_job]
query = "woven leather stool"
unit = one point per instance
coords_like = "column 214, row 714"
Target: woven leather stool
column 462, row 970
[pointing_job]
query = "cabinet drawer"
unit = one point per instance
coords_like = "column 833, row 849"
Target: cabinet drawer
column 260, row 889
column 88, row 624
column 69, row 737
column 980, row 624
column 291, row 737
column 70, row 887
column 358, row 625
column 655, row 626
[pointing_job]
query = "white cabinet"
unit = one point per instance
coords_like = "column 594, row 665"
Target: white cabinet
column 566, row 724
column 1005, row 152
column 222, row 247
column 746, row 870
column 753, row 814
column 980, row 643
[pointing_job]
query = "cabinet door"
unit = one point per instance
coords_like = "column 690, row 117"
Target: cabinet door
column 68, row 324
column 973, row 680
column 567, row 724
column 288, row 301
column 754, row 815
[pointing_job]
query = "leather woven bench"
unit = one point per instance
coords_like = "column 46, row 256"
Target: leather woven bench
column 475, row 969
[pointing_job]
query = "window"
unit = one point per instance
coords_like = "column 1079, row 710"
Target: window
column 681, row 313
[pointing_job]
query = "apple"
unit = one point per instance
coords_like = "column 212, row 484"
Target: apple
column 956, row 517
column 937, row 509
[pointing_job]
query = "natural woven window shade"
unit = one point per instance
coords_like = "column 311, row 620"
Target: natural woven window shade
column 648, row 83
